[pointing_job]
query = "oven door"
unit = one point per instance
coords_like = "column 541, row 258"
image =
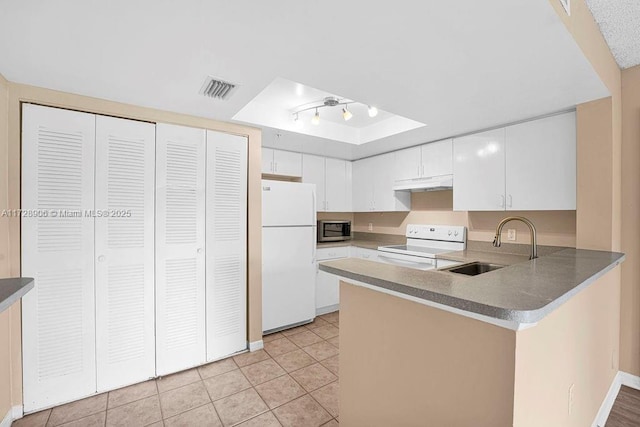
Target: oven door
column 410, row 261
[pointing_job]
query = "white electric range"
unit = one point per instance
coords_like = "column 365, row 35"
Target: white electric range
column 424, row 242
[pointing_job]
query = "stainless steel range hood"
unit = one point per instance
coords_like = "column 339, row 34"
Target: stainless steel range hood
column 434, row 183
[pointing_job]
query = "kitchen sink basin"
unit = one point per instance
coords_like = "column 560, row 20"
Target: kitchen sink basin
column 473, row 268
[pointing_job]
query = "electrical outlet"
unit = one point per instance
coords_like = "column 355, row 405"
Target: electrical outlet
column 370, row 228
column 570, row 406
column 511, row 234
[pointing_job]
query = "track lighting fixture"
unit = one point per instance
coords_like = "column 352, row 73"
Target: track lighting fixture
column 330, row 101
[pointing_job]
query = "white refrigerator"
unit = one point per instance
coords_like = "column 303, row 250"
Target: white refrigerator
column 288, row 254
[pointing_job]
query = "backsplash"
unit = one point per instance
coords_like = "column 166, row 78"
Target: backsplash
column 555, row 228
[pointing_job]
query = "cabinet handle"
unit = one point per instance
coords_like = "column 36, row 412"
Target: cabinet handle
column 510, row 201
column 272, row 170
column 422, row 171
column 326, row 206
column 502, row 201
column 276, row 166
column 419, row 174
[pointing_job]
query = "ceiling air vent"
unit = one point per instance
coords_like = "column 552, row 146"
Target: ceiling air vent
column 217, row 89
column 567, row 6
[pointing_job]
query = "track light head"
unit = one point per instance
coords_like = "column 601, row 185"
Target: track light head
column 316, row 118
column 346, row 114
column 373, row 111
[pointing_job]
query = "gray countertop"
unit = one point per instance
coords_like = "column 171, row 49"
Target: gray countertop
column 523, row 292
column 11, row 290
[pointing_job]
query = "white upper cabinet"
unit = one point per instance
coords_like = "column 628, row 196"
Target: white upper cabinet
column 479, row 172
column 362, row 189
column 337, row 185
column 373, row 181
column 408, row 164
column 267, row 160
column 332, row 178
column 279, row 162
column 58, row 315
column 437, row 158
column 124, row 269
column 433, row 159
column 180, row 248
column 313, row 173
column 528, row 166
column 541, row 164
column 226, row 240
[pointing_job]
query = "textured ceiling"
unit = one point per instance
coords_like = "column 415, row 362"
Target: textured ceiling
column 619, row 22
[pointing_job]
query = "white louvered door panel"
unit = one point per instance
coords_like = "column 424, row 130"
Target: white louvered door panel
column 125, row 184
column 58, row 315
column 226, row 244
column 180, row 256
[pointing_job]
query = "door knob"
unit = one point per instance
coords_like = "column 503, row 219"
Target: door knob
column 101, row 258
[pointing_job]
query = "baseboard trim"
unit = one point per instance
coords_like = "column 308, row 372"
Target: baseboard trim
column 17, row 412
column 256, row 345
column 328, row 309
column 7, row 420
column 621, row 378
column 629, row 380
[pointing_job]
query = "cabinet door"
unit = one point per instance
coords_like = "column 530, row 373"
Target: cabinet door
column 478, row 172
column 287, row 163
column 437, row 158
column 125, row 341
column 58, row 315
column 362, row 186
column 541, row 164
column 313, row 173
column 336, row 192
column 407, row 164
column 267, row 160
column 349, row 185
column 226, row 289
column 368, row 254
column 384, row 198
column 327, row 292
column 180, row 258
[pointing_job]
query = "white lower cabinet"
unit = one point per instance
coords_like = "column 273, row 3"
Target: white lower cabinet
column 364, row 253
column 126, row 216
column 328, row 285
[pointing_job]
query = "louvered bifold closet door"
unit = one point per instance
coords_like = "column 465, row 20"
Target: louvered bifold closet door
column 125, row 189
column 180, row 257
column 58, row 315
column 226, row 244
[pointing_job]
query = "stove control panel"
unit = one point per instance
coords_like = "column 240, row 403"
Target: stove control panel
column 447, row 233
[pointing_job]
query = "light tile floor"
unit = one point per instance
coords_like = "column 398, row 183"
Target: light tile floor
column 293, row 382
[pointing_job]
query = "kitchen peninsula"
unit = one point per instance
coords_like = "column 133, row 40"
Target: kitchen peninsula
column 508, row 345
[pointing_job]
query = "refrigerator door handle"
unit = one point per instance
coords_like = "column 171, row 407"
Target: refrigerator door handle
column 313, row 246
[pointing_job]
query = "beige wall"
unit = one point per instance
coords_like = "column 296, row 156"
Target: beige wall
column 407, row 364
column 575, row 345
column 10, row 190
column 630, row 293
column 555, row 228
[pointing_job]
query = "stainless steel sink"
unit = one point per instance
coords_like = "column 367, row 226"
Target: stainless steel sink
column 473, row 268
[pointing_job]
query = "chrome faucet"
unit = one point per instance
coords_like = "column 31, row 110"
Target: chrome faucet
column 534, row 240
